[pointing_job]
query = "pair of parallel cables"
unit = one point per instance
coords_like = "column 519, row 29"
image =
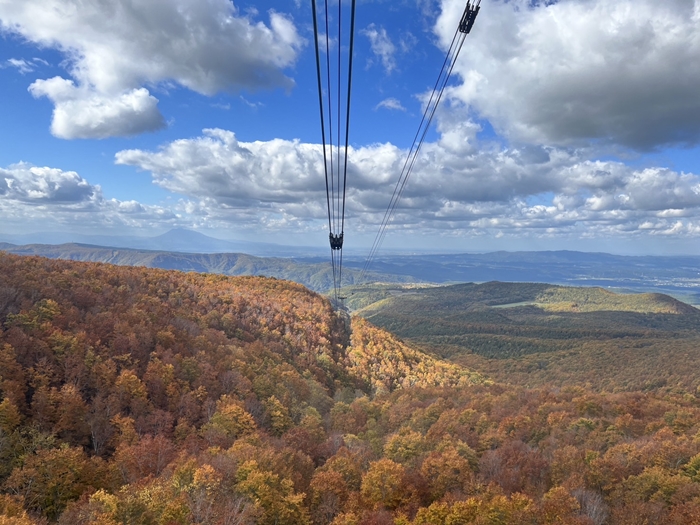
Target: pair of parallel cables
column 465, row 26
column 331, row 121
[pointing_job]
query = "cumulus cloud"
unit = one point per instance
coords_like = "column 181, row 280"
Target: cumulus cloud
column 391, row 103
column 527, row 190
column 113, row 49
column 80, row 113
column 615, row 72
column 34, row 196
column 237, row 174
column 30, row 184
column 382, row 46
column 277, row 187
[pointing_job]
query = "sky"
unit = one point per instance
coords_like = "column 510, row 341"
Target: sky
column 571, row 124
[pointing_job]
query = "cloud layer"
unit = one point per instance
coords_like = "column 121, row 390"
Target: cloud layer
column 607, row 72
column 539, row 191
column 276, row 187
column 114, row 49
column 44, row 198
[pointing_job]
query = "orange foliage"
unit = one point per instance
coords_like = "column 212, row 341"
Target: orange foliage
column 130, row 395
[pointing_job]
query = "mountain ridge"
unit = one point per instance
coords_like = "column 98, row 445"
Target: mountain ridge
column 175, row 239
column 316, row 276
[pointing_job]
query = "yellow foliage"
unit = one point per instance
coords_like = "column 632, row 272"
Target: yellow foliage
column 347, row 518
column 129, row 385
column 404, row 447
column 231, row 420
column 206, row 478
column 559, row 506
column 382, row 484
column 12, row 512
column 16, row 520
column 446, row 471
column 387, row 364
column 274, row 495
column 279, row 415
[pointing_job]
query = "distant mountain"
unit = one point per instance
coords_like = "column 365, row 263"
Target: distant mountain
column 677, row 274
column 182, row 240
column 175, row 240
column 317, row 276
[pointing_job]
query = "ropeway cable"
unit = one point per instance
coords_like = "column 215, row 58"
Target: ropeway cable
column 323, row 126
column 333, row 169
column 463, row 29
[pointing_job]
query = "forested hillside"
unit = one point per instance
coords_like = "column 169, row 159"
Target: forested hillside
column 138, row 396
column 534, row 334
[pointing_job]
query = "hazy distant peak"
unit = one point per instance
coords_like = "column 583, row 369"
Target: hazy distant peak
column 181, row 233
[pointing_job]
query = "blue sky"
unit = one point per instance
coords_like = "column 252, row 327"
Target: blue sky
column 570, row 125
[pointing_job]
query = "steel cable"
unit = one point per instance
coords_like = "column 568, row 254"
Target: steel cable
column 335, row 191
column 459, row 37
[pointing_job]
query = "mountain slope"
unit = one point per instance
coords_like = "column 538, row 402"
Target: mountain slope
column 185, row 306
column 144, row 396
column 535, row 334
column 440, row 300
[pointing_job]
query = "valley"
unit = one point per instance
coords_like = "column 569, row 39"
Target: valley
column 538, row 334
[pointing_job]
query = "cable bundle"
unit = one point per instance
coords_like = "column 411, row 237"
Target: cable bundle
column 335, row 170
column 463, row 29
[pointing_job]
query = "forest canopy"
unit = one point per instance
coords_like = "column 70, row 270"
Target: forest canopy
column 140, row 396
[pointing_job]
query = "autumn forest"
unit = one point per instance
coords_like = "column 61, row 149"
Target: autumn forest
column 142, row 396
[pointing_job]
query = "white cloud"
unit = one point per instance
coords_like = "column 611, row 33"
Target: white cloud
column 475, row 190
column 382, row 46
column 252, row 105
column 114, row 48
column 391, row 103
column 30, row 184
column 616, row 72
column 80, row 113
column 484, row 191
column 43, row 197
column 23, row 66
column 408, row 42
column 237, row 174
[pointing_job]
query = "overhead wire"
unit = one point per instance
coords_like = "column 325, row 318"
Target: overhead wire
column 463, row 29
column 335, row 172
column 323, row 124
column 347, row 131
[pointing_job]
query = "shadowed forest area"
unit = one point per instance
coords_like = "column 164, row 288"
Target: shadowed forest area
column 537, row 334
column 141, row 396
